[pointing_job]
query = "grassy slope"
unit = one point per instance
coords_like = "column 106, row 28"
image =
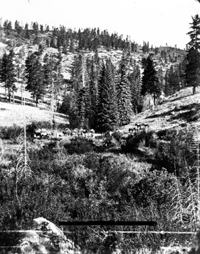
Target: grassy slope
column 178, row 110
column 181, row 109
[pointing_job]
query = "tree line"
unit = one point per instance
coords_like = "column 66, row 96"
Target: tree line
column 87, row 39
column 99, row 95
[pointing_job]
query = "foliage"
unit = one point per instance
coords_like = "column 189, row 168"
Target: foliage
column 150, row 82
column 80, row 184
column 195, row 33
column 175, row 154
column 133, row 141
column 135, row 86
column 107, row 111
column 192, row 71
column 124, row 94
column 79, row 145
column 35, row 76
column 8, row 75
column 11, row 132
column 172, row 81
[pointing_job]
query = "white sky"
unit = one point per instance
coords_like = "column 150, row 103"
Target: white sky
column 156, row 21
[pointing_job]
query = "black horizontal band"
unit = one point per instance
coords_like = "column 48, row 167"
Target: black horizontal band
column 107, row 223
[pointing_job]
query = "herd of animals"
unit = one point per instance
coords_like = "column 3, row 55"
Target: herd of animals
column 89, row 134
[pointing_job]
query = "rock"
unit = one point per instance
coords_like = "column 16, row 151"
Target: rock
column 47, row 226
column 44, row 238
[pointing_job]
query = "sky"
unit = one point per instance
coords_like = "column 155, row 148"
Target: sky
column 158, row 22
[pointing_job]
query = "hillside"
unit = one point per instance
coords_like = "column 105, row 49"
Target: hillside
column 179, row 110
column 164, row 59
column 108, row 175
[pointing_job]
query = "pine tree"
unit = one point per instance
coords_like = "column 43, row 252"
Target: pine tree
column 92, row 93
column 136, row 84
column 192, row 71
column 35, row 77
column 124, row 93
column 79, row 92
column 195, row 33
column 107, row 112
column 7, row 27
column 53, row 78
column 150, row 83
column 27, row 34
column 8, row 75
column 172, row 81
column 20, row 70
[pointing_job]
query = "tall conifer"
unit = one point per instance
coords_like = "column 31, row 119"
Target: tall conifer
column 192, row 71
column 150, row 82
column 124, row 93
column 8, row 75
column 107, row 112
column 35, row 77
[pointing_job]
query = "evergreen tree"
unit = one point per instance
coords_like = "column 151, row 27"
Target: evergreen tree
column 192, row 71
column 107, row 112
column 8, row 75
column 172, row 81
column 124, row 93
column 195, row 33
column 136, row 83
column 92, row 93
column 181, row 71
column 79, row 93
column 150, row 83
column 20, row 69
column 27, row 34
column 35, row 28
column 47, row 28
column 53, row 78
column 7, row 27
column 35, row 77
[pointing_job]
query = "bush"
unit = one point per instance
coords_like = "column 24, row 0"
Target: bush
column 174, row 152
column 133, row 142
column 151, row 139
column 42, row 124
column 117, row 135
column 79, row 145
column 11, row 132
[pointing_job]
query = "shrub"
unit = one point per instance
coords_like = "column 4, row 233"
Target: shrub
column 42, row 124
column 133, row 142
column 79, row 145
column 11, row 132
column 117, row 135
column 151, row 139
column 174, row 153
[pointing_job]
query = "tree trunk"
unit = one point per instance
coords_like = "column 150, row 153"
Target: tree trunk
column 194, row 89
column 154, row 100
column 13, row 97
column 36, row 101
column 9, row 95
